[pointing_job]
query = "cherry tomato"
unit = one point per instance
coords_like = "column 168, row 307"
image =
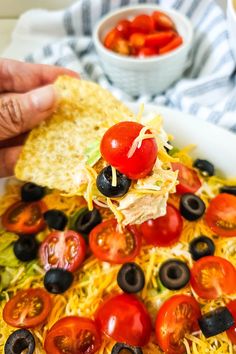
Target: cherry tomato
column 221, row 215
column 159, row 39
column 165, row 230
column 175, row 43
column 162, row 21
column 212, row 277
column 24, row 218
column 147, row 52
column 111, row 38
column 110, row 245
column 63, row 250
column 73, row 335
column 124, row 28
column 121, row 46
column 143, row 24
column 27, row 309
column 125, row 319
column 177, row 316
column 231, row 333
column 137, row 40
column 116, row 146
column 189, row 181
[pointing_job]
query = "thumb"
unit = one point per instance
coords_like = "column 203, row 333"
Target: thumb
column 21, row 112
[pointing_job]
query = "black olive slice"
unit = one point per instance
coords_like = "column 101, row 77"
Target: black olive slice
column 104, row 183
column 228, row 190
column 205, row 167
column 19, row 341
column 201, row 246
column 174, row 274
column 87, row 220
column 191, row 207
column 122, row 348
column 31, row 192
column 55, row 219
column 131, row 278
column 58, row 280
column 216, row 321
column 26, row 248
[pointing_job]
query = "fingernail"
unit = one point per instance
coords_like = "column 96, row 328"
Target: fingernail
column 44, row 98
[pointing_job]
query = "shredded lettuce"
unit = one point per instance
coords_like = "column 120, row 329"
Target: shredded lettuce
column 161, row 287
column 7, row 257
column 173, row 151
column 9, row 264
column 92, row 153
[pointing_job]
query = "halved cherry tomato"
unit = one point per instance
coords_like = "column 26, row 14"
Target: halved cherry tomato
column 124, row 28
column 189, row 181
column 143, row 23
column 128, row 37
column 28, row 308
column 24, row 218
column 231, row 333
column 121, row 46
column 221, row 215
column 73, row 335
column 116, row 149
column 63, row 250
column 165, row 230
column 177, row 317
column 175, row 43
column 162, row 21
column 110, row 245
column 137, row 40
column 125, row 319
column 212, row 277
column 111, row 38
column 159, row 39
column 147, row 52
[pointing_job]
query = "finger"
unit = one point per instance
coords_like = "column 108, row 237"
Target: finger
column 19, row 113
column 8, row 159
column 16, row 76
column 16, row 141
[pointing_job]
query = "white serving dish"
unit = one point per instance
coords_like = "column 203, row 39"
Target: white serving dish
column 143, row 76
column 212, row 142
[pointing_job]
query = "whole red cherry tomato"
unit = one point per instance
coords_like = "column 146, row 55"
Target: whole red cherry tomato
column 125, row 319
column 120, row 149
column 165, row 230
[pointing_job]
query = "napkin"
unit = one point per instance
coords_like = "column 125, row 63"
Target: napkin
column 207, row 88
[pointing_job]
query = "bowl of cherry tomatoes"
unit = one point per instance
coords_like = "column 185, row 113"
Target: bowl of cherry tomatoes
column 143, row 49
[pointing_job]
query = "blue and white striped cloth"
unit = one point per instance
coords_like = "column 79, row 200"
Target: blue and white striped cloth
column 207, row 89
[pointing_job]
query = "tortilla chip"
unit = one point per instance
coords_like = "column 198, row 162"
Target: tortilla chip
column 53, row 155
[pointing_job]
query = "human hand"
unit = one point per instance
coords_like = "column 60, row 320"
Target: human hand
column 27, row 97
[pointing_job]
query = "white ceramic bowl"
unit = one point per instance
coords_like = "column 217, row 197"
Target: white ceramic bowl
column 151, row 75
column 231, row 16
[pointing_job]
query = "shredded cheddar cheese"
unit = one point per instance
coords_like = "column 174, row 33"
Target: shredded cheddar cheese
column 116, row 212
column 114, row 177
column 138, row 141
